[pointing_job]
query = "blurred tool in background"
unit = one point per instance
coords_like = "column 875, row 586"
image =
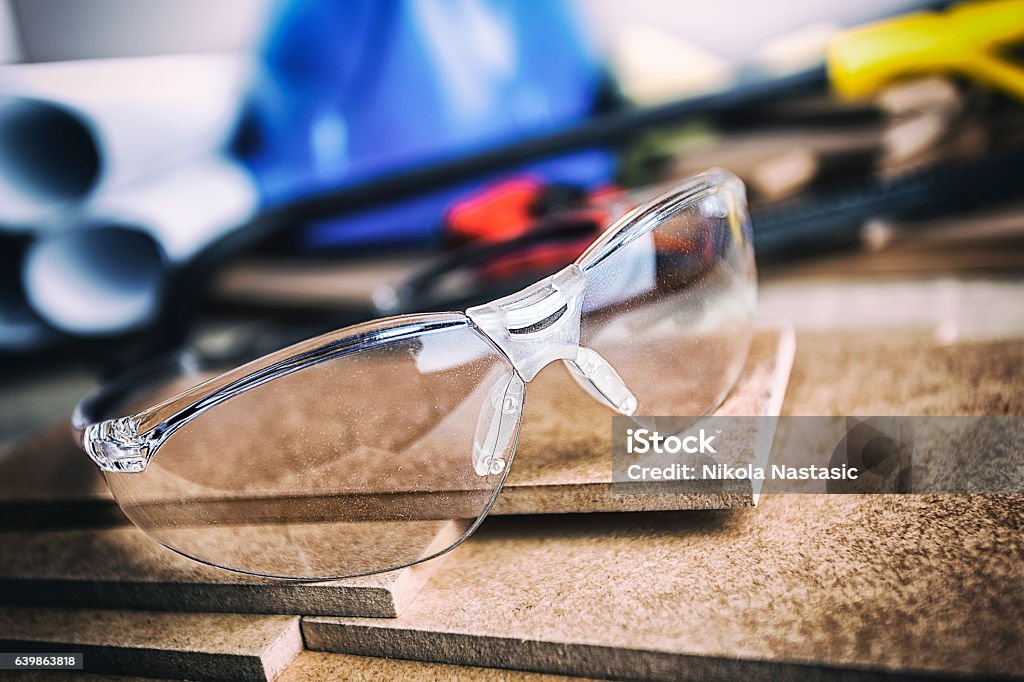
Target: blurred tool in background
column 972, row 40
column 501, row 239
column 820, row 171
column 949, row 145
column 391, row 156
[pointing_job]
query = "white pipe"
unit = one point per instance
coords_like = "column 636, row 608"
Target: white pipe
column 71, row 129
column 21, row 330
column 107, row 275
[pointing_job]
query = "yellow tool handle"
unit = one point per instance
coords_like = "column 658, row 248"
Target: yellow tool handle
column 966, row 39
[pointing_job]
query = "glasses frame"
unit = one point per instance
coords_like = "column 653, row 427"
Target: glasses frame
column 126, row 444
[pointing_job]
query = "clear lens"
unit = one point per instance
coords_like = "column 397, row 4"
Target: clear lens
column 669, row 302
column 365, row 462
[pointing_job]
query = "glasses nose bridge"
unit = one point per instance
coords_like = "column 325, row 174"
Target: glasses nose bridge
column 541, row 324
column 537, row 325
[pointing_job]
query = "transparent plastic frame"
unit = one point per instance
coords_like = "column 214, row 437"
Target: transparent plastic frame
column 530, row 329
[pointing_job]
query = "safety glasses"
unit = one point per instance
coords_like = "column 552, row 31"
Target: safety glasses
column 385, row 444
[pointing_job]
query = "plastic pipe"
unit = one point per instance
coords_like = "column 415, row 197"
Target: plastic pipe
column 107, row 274
column 72, row 129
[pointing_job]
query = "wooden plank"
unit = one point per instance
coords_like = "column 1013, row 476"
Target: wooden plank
column 121, row 568
column 804, row 586
column 176, row 645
